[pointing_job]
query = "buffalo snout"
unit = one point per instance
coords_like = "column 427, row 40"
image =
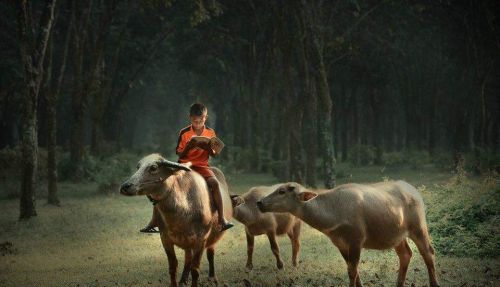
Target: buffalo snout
column 260, row 205
column 125, row 188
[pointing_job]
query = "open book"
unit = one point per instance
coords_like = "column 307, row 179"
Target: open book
column 214, row 143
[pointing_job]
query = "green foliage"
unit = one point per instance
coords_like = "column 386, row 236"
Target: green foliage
column 107, row 172
column 238, row 159
column 417, row 159
column 467, row 227
column 394, row 159
column 341, row 173
column 65, row 166
column 362, row 155
column 204, row 11
column 443, row 160
column 112, row 171
column 280, row 169
column 10, row 162
column 489, row 160
column 11, row 169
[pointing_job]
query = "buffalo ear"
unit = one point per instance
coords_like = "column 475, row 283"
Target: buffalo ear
column 237, row 200
column 173, row 165
column 307, row 195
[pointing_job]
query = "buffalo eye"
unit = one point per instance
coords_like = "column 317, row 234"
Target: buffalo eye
column 281, row 191
column 291, row 188
column 153, row 168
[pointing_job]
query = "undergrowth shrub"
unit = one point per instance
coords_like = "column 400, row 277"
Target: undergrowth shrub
column 467, row 227
column 361, row 155
column 394, row 159
column 417, row 159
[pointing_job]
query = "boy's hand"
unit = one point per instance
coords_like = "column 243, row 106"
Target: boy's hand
column 201, row 142
column 191, row 144
column 216, row 145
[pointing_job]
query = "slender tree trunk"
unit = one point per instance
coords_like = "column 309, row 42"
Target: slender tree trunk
column 308, row 102
column 315, row 50
column 356, row 116
column 78, row 93
column 325, row 112
column 295, row 111
column 376, row 132
column 311, row 132
column 47, row 93
column 431, row 145
column 85, row 79
column 77, row 131
column 52, row 98
column 345, row 120
column 32, row 58
column 99, row 100
column 254, row 106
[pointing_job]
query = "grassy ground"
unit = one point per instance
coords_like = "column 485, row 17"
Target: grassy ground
column 93, row 240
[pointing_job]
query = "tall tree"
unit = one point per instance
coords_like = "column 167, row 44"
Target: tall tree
column 33, row 45
column 324, row 99
column 54, row 79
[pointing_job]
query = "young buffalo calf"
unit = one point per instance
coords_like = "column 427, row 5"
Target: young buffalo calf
column 272, row 224
column 357, row 216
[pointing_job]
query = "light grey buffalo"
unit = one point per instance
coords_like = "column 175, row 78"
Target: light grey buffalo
column 185, row 216
column 357, row 216
column 269, row 223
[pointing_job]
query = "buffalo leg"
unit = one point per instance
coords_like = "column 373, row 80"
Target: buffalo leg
column 250, row 244
column 421, row 239
column 404, row 254
column 195, row 266
column 211, row 266
column 276, row 249
column 294, row 238
column 172, row 261
column 352, row 269
column 187, row 267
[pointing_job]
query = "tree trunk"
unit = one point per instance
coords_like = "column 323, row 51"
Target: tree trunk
column 254, row 107
column 325, row 103
column 86, row 81
column 345, row 120
column 294, row 111
column 99, row 101
column 431, row 144
column 308, row 102
column 52, row 98
column 77, row 131
column 376, row 132
column 311, row 132
column 325, row 113
column 47, row 94
column 32, row 58
column 77, row 97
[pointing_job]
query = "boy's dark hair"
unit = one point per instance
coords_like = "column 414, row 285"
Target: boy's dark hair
column 197, row 109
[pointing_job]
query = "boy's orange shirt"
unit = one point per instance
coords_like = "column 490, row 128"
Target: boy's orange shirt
column 197, row 156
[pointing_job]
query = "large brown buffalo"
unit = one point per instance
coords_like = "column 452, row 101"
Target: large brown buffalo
column 186, row 217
